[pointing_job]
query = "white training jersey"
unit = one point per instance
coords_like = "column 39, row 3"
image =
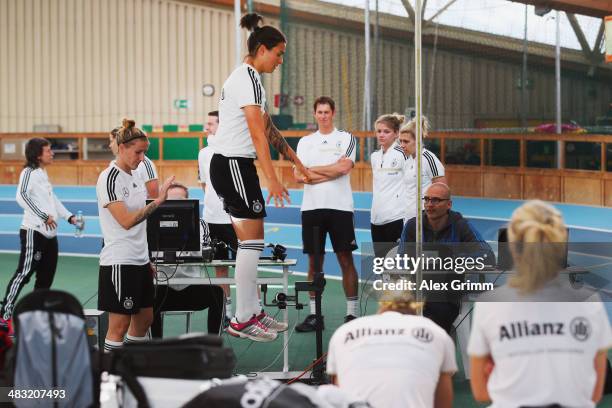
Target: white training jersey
column 319, row 149
column 35, row 195
column 242, row 88
column 391, row 359
column 146, row 171
column 431, row 168
column 213, row 206
column 543, row 352
column 121, row 246
column 389, row 192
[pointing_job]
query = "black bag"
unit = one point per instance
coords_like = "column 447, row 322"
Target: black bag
column 189, row 357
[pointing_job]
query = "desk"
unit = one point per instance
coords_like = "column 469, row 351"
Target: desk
column 205, row 279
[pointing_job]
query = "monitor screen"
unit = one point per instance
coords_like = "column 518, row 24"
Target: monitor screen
column 174, row 226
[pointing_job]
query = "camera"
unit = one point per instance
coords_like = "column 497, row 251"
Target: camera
column 211, row 250
column 279, row 252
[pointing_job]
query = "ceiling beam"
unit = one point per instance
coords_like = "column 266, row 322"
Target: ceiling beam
column 592, row 8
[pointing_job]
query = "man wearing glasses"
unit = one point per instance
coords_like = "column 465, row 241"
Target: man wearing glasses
column 442, row 225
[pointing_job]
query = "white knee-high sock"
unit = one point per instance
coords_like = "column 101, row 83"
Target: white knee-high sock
column 247, row 258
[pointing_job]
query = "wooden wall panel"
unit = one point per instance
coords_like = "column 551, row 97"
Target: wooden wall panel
column 9, row 172
column 89, row 172
column 502, row 185
column 582, row 190
column 366, row 178
column 185, row 172
column 464, row 183
column 607, row 194
column 542, row 187
column 63, row 173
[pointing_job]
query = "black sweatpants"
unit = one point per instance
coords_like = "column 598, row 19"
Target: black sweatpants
column 38, row 254
column 192, row 298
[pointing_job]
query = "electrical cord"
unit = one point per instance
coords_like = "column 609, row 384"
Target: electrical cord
column 297, row 319
column 311, row 366
column 90, row 298
column 499, row 275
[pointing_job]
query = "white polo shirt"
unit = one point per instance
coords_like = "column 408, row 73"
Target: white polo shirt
column 242, row 88
column 391, row 359
column 35, row 195
column 213, row 206
column 146, row 171
column 431, row 168
column 389, row 192
column 121, row 246
column 543, row 352
column 319, row 149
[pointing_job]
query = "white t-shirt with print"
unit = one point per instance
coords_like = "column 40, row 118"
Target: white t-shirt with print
column 431, row 168
column 319, row 149
column 389, row 193
column 242, row 88
column 391, row 359
column 213, row 206
column 543, row 352
column 121, row 246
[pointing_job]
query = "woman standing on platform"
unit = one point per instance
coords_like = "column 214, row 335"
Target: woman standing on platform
column 125, row 286
column 389, row 194
column 432, row 169
column 241, row 137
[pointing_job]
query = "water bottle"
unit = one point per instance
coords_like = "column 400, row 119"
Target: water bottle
column 79, row 225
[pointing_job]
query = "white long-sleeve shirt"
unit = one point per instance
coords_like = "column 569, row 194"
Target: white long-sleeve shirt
column 35, row 195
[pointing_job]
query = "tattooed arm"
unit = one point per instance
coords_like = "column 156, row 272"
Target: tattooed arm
column 129, row 219
column 276, row 139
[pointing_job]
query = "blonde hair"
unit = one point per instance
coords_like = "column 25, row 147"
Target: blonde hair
column 398, row 301
column 391, row 120
column 410, row 127
column 128, row 132
column 538, row 238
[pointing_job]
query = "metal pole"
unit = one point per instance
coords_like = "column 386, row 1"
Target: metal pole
column 374, row 97
column 249, row 6
column 524, row 77
column 558, row 71
column 366, row 86
column 237, row 16
column 418, row 101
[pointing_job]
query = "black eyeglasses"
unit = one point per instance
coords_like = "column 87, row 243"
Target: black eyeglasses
column 434, row 200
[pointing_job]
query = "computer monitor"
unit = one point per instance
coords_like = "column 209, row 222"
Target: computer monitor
column 174, row 227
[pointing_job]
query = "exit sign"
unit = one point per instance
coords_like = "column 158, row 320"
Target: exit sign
column 182, row 104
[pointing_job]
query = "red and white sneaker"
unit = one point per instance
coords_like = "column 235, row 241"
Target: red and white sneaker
column 271, row 323
column 252, row 329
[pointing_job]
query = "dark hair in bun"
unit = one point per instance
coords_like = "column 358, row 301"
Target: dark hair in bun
column 266, row 35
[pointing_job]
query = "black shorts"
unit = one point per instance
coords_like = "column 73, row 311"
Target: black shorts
column 339, row 224
column 125, row 289
column 386, row 236
column 236, row 182
column 223, row 233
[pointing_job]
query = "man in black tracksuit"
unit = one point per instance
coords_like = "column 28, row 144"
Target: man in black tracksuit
column 442, row 225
